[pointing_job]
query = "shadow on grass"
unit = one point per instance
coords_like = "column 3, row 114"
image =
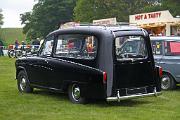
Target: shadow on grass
column 176, row 89
column 94, row 102
column 123, row 103
column 55, row 95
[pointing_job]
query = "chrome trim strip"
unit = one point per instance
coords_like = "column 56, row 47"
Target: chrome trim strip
column 119, row 98
column 109, row 99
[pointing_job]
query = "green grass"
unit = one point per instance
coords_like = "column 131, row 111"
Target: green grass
column 43, row 105
column 9, row 35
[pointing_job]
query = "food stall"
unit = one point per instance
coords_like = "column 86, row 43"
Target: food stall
column 157, row 23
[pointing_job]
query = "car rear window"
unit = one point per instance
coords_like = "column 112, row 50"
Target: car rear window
column 130, row 47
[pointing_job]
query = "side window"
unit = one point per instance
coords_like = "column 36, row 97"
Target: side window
column 156, row 47
column 76, row 46
column 47, row 46
column 172, row 48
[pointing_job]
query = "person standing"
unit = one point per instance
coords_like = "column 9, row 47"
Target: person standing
column 1, row 48
column 16, row 44
column 89, row 45
column 23, row 44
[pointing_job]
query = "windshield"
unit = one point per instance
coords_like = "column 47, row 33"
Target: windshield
column 130, row 47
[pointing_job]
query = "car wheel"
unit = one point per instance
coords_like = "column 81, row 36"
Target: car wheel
column 167, row 82
column 74, row 93
column 23, row 83
column 18, row 54
column 11, row 53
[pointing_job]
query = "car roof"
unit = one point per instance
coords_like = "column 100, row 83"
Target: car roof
column 166, row 38
column 99, row 28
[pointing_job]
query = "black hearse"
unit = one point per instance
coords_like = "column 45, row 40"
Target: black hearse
column 85, row 62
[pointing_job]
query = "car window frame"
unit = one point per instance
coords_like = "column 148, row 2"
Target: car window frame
column 41, row 48
column 169, row 40
column 63, row 57
column 130, row 59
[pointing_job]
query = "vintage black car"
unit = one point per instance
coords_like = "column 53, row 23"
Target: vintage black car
column 85, row 62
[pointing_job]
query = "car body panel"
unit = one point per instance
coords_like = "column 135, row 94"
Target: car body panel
column 169, row 63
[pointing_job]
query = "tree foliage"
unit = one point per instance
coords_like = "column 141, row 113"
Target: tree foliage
column 171, row 5
column 46, row 16
column 1, row 18
column 86, row 11
column 99, row 9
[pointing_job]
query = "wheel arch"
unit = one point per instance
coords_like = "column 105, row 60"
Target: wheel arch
column 18, row 69
column 170, row 74
column 66, row 84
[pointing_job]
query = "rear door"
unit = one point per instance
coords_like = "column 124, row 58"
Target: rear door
column 134, row 65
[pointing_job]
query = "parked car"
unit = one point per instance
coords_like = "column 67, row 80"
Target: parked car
column 166, row 52
column 167, row 55
column 86, row 62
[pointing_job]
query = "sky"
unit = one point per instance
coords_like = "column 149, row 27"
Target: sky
column 11, row 10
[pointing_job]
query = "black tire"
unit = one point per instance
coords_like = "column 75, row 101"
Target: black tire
column 18, row 54
column 23, row 83
column 11, row 54
column 167, row 82
column 74, row 93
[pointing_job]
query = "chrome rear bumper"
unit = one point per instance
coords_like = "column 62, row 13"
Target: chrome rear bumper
column 119, row 98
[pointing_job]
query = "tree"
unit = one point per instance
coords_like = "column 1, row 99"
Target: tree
column 1, row 22
column 46, row 16
column 171, row 5
column 86, row 11
column 1, row 18
column 27, row 29
column 98, row 9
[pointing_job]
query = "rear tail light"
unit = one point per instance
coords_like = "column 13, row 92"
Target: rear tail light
column 160, row 72
column 104, row 77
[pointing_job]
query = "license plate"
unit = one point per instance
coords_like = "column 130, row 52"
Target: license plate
column 135, row 91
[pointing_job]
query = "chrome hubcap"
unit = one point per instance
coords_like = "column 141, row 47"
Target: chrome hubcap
column 18, row 54
column 165, row 82
column 75, row 92
column 23, row 83
column 12, row 54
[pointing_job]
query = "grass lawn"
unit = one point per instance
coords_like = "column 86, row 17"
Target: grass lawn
column 9, row 35
column 43, row 105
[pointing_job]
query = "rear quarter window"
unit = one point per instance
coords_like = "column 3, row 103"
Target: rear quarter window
column 76, row 46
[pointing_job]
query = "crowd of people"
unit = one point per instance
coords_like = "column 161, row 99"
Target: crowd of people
column 19, row 45
column 23, row 45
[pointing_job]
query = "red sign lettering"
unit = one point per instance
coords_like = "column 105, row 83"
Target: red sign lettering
column 148, row 16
